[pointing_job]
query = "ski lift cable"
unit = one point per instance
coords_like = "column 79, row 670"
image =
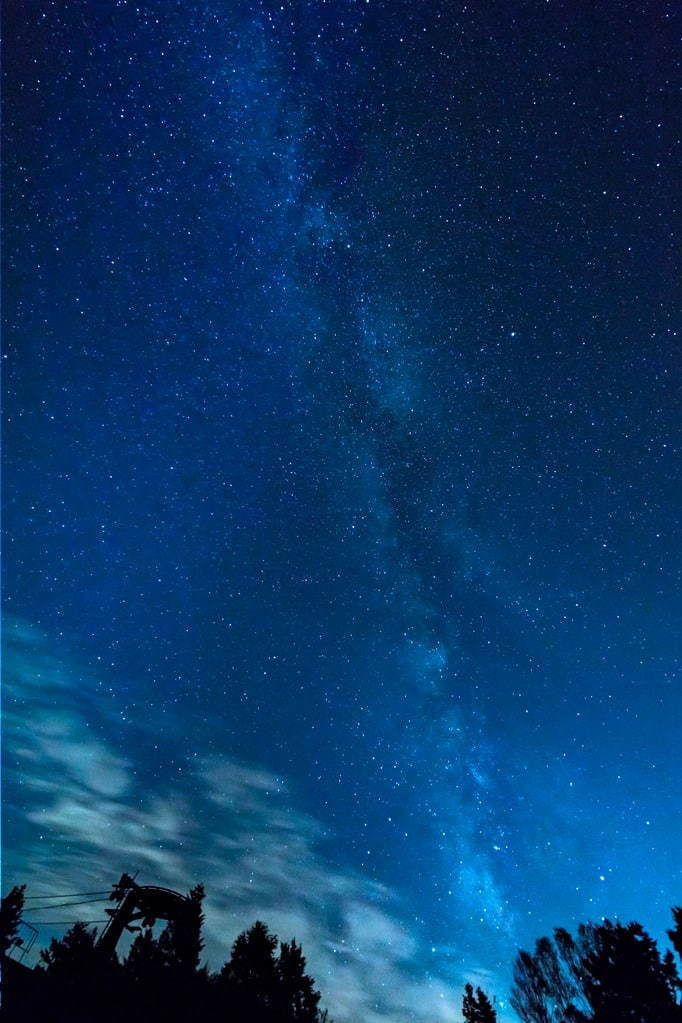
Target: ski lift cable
column 67, row 895
column 59, row 905
column 47, row 923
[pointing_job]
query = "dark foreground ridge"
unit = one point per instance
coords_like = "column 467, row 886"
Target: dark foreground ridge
column 608, row 973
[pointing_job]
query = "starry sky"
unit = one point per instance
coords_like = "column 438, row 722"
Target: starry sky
column 341, row 479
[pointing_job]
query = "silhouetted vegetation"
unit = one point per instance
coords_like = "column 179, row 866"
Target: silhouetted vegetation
column 607, row 973
column 675, row 934
column 11, row 908
column 477, row 1007
column 161, row 978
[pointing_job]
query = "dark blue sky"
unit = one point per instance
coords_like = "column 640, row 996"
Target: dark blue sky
column 341, row 389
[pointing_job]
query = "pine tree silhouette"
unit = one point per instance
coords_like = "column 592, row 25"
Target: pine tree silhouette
column 73, row 954
column 79, row 981
column 162, row 974
column 477, row 1007
column 145, row 962
column 180, row 941
column 144, row 974
column 248, row 982
column 11, row 909
column 257, row 984
column 297, row 999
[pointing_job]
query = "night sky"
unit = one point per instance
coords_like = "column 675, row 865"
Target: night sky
column 341, row 479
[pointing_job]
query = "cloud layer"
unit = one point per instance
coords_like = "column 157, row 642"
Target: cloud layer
column 79, row 818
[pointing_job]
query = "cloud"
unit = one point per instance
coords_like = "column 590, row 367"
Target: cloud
column 82, row 812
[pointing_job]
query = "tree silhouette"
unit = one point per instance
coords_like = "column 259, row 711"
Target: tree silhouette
column 548, row 985
column 144, row 975
column 73, row 954
column 675, row 934
column 180, row 941
column 17, row 985
column 257, row 984
column 626, row 980
column 79, row 981
column 248, row 982
column 530, row 991
column 11, row 909
column 477, row 1007
column 162, row 974
column 607, row 973
column 297, row 999
column 145, row 962
column 612, row 973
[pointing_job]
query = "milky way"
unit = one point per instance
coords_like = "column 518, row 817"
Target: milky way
column 341, row 475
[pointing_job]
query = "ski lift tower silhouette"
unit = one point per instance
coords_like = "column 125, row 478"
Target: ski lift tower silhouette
column 140, row 906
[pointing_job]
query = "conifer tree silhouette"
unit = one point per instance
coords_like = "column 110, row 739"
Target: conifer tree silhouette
column 144, row 972
column 73, row 954
column 181, row 942
column 477, row 1007
column 297, row 999
column 162, row 974
column 145, row 962
column 11, row 909
column 257, row 984
column 160, row 979
column 79, row 981
column 251, row 973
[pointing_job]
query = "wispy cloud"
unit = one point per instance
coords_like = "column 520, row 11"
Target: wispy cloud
column 80, row 815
